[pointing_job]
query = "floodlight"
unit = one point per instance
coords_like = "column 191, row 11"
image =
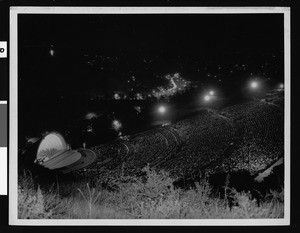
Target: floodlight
column 207, row 98
column 254, row 84
column 162, row 109
column 51, row 52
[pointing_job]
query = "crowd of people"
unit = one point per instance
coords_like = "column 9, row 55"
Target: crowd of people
column 248, row 136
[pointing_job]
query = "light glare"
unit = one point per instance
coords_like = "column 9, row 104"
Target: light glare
column 162, row 109
column 254, row 84
column 51, row 52
column 207, row 98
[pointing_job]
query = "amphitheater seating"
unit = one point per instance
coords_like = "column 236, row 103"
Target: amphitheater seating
column 247, row 136
column 261, row 141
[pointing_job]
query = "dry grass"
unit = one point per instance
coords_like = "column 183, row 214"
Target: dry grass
column 151, row 197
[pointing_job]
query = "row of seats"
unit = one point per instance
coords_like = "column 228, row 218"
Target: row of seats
column 248, row 137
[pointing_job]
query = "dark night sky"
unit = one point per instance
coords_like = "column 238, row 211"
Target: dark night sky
column 182, row 33
column 172, row 43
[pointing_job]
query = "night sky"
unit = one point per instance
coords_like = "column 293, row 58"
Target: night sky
column 101, row 54
column 126, row 67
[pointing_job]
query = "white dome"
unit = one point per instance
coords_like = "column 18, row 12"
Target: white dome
column 50, row 144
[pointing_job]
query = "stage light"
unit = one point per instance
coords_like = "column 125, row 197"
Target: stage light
column 207, row 98
column 162, row 109
column 211, row 92
column 51, row 52
column 254, row 84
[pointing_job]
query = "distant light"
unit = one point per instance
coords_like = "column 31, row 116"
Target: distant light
column 211, row 92
column 281, row 86
column 162, row 109
column 137, row 108
column 116, row 125
column 90, row 116
column 51, row 52
column 207, row 98
column 116, row 96
column 139, row 96
column 89, row 129
column 254, row 84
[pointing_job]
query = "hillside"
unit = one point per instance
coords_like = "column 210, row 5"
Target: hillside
column 244, row 137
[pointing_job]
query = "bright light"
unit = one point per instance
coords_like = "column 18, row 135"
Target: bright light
column 207, row 98
column 211, row 92
column 51, row 52
column 162, row 109
column 116, row 96
column 281, row 86
column 139, row 96
column 90, row 116
column 254, row 84
column 116, row 125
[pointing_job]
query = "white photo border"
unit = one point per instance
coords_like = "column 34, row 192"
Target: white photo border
column 13, row 114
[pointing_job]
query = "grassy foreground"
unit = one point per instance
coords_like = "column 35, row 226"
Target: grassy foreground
column 151, row 197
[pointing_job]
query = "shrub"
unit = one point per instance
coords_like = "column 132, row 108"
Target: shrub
column 31, row 203
column 152, row 196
